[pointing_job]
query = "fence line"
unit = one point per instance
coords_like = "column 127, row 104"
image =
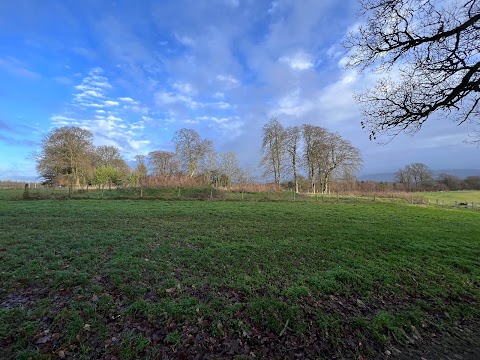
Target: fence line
column 209, row 193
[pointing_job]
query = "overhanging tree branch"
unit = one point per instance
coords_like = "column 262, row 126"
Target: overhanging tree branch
column 434, row 46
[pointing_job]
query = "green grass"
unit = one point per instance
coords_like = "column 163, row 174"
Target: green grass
column 450, row 197
column 151, row 278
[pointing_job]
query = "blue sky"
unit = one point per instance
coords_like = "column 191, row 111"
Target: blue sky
column 134, row 72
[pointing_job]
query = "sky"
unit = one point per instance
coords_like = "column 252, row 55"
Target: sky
column 134, row 72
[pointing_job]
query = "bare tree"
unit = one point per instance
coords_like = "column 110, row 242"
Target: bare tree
column 140, row 170
column 273, row 147
column 66, row 155
column 452, row 182
column 229, row 168
column 421, row 174
column 336, row 155
column 473, row 182
column 162, row 162
column 415, row 176
column 208, row 162
column 313, row 138
column 109, row 156
column 293, row 136
column 190, row 149
column 431, row 49
column 404, row 177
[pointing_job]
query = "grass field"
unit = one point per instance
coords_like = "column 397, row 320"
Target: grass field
column 450, row 197
column 177, row 279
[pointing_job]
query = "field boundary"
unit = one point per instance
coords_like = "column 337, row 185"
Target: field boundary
column 434, row 199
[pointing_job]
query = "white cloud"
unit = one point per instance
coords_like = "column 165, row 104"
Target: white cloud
column 292, row 104
column 163, row 98
column 185, row 40
column 57, row 118
column 184, row 87
column 102, row 114
column 93, row 105
column 137, row 125
column 228, row 80
column 127, row 99
column 137, row 109
column 137, row 144
column 92, row 93
column 213, row 119
column 222, row 105
column 298, row 61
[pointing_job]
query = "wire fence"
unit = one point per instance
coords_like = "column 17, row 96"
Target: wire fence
column 213, row 194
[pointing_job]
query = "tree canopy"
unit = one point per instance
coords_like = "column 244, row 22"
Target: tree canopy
column 428, row 51
column 66, row 155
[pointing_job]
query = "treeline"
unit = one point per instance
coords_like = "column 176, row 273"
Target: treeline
column 419, row 177
column 310, row 152
column 69, row 158
column 304, row 158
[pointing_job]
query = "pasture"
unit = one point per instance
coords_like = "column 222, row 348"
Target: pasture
column 450, row 197
column 181, row 279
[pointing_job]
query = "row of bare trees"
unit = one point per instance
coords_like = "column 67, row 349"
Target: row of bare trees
column 419, row 177
column 319, row 152
column 196, row 158
column 69, row 158
column 304, row 154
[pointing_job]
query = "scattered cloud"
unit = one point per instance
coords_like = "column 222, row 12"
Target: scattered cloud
column 184, row 87
column 93, row 107
column 127, row 100
column 163, row 98
column 135, row 74
column 185, row 40
column 228, row 80
column 59, row 118
column 298, row 61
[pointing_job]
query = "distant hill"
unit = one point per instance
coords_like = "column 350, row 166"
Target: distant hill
column 390, row 177
column 462, row 173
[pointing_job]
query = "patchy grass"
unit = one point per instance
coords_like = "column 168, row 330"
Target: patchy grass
column 153, row 279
